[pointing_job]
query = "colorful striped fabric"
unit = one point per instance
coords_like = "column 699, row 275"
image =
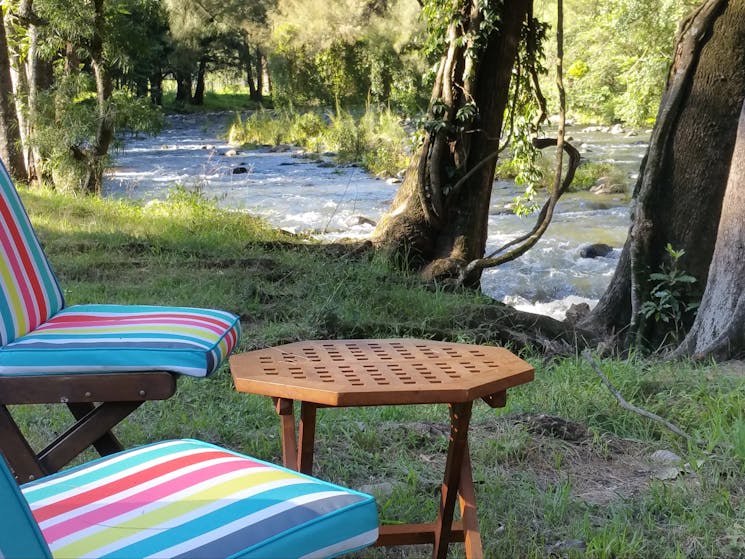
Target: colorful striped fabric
column 29, row 293
column 187, row 498
column 112, row 338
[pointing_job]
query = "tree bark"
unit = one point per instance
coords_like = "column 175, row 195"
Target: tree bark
column 198, row 98
column 678, row 196
column 183, row 86
column 40, row 78
column 258, row 93
column 156, row 88
column 719, row 328
column 95, row 156
column 431, row 224
column 11, row 151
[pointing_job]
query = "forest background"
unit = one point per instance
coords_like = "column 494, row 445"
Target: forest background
column 293, row 55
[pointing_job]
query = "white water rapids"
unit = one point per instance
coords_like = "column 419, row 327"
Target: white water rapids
column 295, row 194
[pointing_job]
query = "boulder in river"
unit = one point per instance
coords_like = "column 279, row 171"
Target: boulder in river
column 594, row 250
column 360, row 220
column 605, row 185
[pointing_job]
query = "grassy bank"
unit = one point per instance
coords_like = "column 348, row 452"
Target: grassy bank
column 561, row 471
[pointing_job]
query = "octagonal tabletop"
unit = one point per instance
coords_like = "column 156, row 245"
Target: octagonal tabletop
column 379, row 372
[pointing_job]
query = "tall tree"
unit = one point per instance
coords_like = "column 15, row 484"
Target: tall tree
column 718, row 329
column 10, row 135
column 679, row 193
column 439, row 216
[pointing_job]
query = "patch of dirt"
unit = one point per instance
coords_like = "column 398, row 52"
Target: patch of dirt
column 734, row 368
column 599, row 468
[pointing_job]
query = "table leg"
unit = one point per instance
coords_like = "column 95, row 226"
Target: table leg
column 297, row 449
column 467, row 495
column 460, row 416
column 286, row 411
column 307, row 437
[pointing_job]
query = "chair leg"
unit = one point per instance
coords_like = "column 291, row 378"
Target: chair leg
column 91, row 427
column 18, row 453
column 108, row 443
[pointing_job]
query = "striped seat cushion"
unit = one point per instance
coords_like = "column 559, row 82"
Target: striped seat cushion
column 29, row 293
column 113, row 338
column 187, row 498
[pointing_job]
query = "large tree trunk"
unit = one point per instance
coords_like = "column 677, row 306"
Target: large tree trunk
column 438, row 220
column 678, row 197
column 11, row 151
column 719, row 328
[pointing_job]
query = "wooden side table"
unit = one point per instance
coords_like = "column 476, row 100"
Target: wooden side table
column 343, row 373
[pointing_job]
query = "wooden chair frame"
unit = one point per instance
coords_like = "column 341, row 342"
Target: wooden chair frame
column 98, row 402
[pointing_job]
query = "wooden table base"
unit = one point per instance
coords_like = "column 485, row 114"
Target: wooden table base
column 457, row 485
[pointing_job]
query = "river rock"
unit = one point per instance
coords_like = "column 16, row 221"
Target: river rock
column 594, row 250
column 240, row 171
column 594, row 129
column 577, row 312
column 359, row 220
column 605, row 185
column 232, row 153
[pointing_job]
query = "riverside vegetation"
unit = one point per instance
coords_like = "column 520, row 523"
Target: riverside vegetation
column 562, row 471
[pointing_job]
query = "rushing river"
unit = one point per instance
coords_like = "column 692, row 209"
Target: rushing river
column 332, row 202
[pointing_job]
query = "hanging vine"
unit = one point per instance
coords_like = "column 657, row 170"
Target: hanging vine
column 525, row 119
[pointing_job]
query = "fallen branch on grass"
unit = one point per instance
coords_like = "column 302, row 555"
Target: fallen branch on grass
column 624, row 404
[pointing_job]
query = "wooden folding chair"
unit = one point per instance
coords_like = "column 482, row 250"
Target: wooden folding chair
column 102, row 361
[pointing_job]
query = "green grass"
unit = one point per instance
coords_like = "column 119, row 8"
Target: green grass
column 537, row 493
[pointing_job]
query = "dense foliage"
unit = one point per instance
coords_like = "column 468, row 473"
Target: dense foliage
column 617, row 54
column 303, row 53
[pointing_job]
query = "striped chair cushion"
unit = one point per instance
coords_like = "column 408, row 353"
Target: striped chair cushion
column 187, row 498
column 29, row 293
column 112, row 338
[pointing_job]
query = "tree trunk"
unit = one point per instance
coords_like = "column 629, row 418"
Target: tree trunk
column 40, row 78
column 95, row 157
column 183, row 87
column 248, row 61
column 437, row 221
column 198, row 98
column 265, row 84
column 156, row 88
column 258, row 93
column 11, row 151
column 678, row 196
column 719, row 328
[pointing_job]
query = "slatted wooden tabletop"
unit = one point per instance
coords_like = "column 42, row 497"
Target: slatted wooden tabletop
column 379, row 372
